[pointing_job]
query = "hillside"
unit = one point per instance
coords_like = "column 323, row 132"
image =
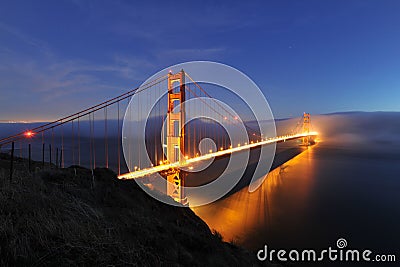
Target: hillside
column 68, row 216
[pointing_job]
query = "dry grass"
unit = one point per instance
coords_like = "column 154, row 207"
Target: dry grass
column 65, row 217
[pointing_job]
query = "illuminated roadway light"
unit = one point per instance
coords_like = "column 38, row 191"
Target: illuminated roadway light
column 169, row 165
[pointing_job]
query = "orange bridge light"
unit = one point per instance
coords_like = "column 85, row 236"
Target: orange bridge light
column 29, row 134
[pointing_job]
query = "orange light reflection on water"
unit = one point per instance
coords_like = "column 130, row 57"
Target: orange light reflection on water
column 243, row 215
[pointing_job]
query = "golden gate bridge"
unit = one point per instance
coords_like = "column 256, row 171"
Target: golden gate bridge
column 93, row 137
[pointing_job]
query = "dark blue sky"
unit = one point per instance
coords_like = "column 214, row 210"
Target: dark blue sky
column 316, row 56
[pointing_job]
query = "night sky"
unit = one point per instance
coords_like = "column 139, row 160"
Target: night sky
column 57, row 57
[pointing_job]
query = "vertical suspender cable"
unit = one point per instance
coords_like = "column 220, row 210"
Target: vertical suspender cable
column 73, row 143
column 187, row 132
column 193, row 129
column 155, row 127
column 119, row 141
column 79, row 143
column 94, row 142
column 52, row 143
column 106, row 136
column 57, row 158
column 140, row 121
column 12, row 161
column 90, row 142
column 62, row 147
column 130, row 130
column 43, row 150
column 50, row 161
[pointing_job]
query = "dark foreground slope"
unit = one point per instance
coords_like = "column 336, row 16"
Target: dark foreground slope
column 64, row 217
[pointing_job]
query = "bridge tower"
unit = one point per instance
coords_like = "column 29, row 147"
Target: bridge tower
column 175, row 135
column 306, row 129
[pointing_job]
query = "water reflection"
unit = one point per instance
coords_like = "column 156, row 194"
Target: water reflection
column 325, row 193
column 247, row 218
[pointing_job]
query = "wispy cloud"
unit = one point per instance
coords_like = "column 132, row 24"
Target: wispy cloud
column 44, row 71
column 39, row 79
column 52, row 75
column 31, row 68
column 25, row 38
column 57, row 88
column 183, row 54
column 143, row 21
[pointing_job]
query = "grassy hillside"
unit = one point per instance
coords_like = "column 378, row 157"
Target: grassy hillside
column 69, row 216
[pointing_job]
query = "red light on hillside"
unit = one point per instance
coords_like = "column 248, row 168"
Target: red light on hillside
column 29, row 134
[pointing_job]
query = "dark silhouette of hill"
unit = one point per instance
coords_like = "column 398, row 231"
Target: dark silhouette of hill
column 75, row 217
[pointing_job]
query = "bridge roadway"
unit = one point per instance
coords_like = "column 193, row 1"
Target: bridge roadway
column 163, row 167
